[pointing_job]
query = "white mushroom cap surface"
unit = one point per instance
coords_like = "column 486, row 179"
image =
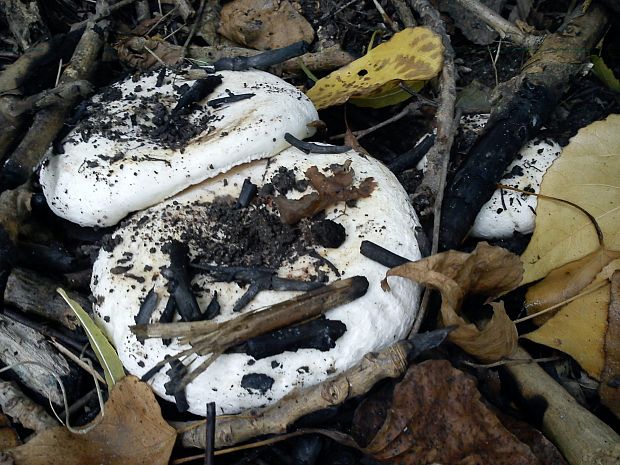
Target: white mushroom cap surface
column 508, row 211
column 114, row 163
column 373, row 321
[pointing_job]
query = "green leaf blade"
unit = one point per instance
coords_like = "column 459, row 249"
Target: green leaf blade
column 107, row 356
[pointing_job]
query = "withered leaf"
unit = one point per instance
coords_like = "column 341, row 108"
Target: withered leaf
column 132, row 431
column 565, row 282
column 436, row 416
column 489, row 271
column 610, row 377
column 329, row 190
column 541, row 447
column 264, row 24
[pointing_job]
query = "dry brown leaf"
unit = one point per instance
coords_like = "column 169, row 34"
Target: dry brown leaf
column 544, row 450
column 609, row 389
column 489, row 271
column 566, row 282
column 587, row 174
column 132, row 431
column 329, row 190
column 436, row 416
column 264, row 24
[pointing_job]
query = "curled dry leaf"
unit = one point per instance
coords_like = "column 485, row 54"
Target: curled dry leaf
column 587, row 174
column 413, row 55
column 436, row 416
column 132, row 431
column 489, row 271
column 329, row 190
column 264, row 24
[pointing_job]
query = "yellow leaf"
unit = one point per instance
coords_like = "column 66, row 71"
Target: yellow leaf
column 565, row 282
column 107, row 356
column 587, row 174
column 413, row 54
column 578, row 329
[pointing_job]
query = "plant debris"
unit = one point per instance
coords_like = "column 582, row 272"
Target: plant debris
column 329, row 190
column 489, row 271
column 436, row 416
column 131, row 431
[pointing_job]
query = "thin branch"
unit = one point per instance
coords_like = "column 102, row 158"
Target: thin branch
column 504, row 27
column 434, row 182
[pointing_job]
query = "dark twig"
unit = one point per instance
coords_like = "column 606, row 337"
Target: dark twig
column 412, row 157
column 210, row 434
column 192, row 31
column 380, row 255
column 262, row 60
column 310, row 147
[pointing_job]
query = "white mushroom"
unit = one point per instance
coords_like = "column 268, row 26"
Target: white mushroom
column 509, row 211
column 131, row 264
column 132, row 150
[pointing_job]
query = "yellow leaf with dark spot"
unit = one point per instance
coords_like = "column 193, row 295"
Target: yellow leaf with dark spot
column 413, row 55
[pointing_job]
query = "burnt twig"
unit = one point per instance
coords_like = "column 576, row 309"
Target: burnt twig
column 525, row 103
column 262, row 60
column 207, row 337
column 310, row 147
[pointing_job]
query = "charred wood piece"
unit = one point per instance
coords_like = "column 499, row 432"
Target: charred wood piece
column 231, row 98
column 320, row 334
column 213, row 309
column 310, row 147
column 179, row 281
column 380, row 255
column 259, row 279
column 147, row 308
column 176, row 372
column 262, row 60
column 475, row 182
column 248, row 192
column 197, row 92
column 411, row 158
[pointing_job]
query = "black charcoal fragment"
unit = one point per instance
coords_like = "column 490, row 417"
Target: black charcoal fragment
column 257, row 382
column 147, row 308
column 320, row 334
column 328, row 233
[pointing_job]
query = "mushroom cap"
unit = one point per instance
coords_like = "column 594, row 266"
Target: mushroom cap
column 373, row 321
column 116, row 161
column 508, row 211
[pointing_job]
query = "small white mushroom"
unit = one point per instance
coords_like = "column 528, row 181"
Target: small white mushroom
column 131, row 150
column 508, row 211
column 132, row 263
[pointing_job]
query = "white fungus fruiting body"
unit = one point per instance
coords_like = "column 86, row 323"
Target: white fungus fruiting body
column 373, row 321
column 509, row 211
column 115, row 161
